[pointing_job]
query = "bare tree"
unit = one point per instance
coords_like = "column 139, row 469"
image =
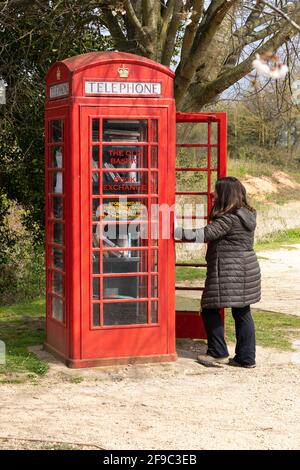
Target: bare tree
column 217, row 39
column 212, row 43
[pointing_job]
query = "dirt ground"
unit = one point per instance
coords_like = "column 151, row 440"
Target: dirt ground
column 180, row 405
column 280, row 292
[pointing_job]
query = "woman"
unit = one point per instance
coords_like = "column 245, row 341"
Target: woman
column 233, row 274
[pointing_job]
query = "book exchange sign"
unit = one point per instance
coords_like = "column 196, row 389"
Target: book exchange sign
column 122, row 88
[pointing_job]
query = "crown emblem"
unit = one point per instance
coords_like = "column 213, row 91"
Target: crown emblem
column 123, row 71
column 58, row 74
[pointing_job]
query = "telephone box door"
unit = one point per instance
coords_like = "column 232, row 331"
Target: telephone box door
column 200, row 160
column 124, row 176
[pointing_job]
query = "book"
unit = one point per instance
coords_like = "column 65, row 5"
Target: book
column 114, row 174
column 122, row 132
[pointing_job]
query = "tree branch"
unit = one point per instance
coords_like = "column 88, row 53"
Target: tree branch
column 169, row 41
column 185, row 72
column 136, row 23
column 166, row 19
column 112, row 24
column 281, row 13
column 191, row 30
column 200, row 94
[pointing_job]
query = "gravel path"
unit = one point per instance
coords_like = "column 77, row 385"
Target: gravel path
column 180, row 405
column 280, row 280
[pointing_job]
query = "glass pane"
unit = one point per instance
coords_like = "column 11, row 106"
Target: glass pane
column 57, row 308
column 188, row 206
column 58, row 232
column 132, row 158
column 125, row 313
column 155, row 220
column 96, row 209
column 154, row 157
column 56, row 182
column 154, row 261
column 57, row 157
column 154, row 286
column 192, row 133
column 95, row 130
column 214, row 158
column 214, row 133
column 96, row 288
column 117, row 235
column 57, row 207
column 154, row 182
column 126, row 287
column 130, row 261
column 191, row 181
column 191, row 157
column 57, row 283
column 96, row 236
column 154, row 130
column 58, row 258
column 125, row 182
column 154, row 312
column 96, row 315
column 95, row 156
column 125, row 209
column 95, row 262
column 95, row 183
column 56, row 130
column 121, row 156
column 118, row 130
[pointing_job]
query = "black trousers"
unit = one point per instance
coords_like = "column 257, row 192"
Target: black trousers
column 244, row 330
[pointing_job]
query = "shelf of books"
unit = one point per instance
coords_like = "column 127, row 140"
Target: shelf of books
column 124, row 256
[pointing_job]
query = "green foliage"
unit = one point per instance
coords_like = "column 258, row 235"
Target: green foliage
column 188, row 274
column 21, row 260
column 22, row 325
column 279, row 239
column 36, row 34
column 273, row 330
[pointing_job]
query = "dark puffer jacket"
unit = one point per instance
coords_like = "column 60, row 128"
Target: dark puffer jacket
column 233, row 273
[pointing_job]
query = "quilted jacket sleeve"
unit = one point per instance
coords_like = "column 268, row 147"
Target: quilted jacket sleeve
column 213, row 231
column 189, row 235
column 217, row 228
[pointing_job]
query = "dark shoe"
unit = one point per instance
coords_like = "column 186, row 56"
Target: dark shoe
column 210, row 361
column 234, row 363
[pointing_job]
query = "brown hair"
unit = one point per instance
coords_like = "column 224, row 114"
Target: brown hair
column 230, row 196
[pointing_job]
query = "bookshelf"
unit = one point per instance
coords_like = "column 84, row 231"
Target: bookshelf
column 124, row 163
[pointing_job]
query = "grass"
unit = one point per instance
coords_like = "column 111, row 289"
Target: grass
column 273, row 330
column 22, row 325
column 279, row 239
column 248, row 166
column 189, row 274
column 273, row 241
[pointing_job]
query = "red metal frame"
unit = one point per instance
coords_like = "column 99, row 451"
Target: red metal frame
column 76, row 339
column 189, row 323
column 102, row 337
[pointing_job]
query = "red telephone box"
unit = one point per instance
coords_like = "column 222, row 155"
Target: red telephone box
column 110, row 167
